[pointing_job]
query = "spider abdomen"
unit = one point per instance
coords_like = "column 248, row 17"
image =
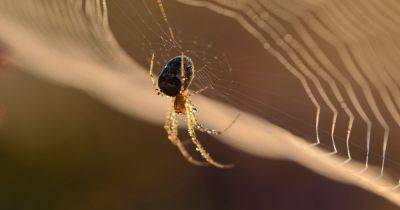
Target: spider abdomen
column 170, row 80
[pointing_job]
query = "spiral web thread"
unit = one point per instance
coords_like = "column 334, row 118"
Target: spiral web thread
column 363, row 37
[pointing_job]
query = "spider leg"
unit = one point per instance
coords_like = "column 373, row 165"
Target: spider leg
column 171, row 126
column 153, row 81
column 189, row 157
column 183, row 73
column 191, row 130
column 201, row 128
column 197, row 91
column 168, row 125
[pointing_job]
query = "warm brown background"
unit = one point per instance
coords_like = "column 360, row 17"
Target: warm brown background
column 61, row 149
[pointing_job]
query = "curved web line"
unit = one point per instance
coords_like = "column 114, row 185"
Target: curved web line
column 297, row 18
column 274, row 53
column 332, row 39
column 357, row 59
column 302, row 50
column 343, row 28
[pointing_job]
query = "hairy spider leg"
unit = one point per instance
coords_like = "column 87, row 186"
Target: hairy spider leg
column 197, row 91
column 180, row 146
column 201, row 128
column 153, row 81
column 190, row 118
column 171, row 126
column 168, row 125
column 164, row 14
column 183, row 74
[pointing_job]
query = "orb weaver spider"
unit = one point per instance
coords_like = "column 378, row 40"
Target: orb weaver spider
column 173, row 81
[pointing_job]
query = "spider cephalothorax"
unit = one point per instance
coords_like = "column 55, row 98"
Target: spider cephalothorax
column 174, row 81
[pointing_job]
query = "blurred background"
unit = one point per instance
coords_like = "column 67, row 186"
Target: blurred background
column 62, row 149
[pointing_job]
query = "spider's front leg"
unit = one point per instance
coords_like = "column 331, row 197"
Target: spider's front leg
column 191, row 121
column 171, row 126
column 153, row 80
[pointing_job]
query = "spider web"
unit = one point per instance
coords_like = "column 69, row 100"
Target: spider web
column 342, row 65
column 302, row 71
column 270, row 47
column 212, row 68
column 212, row 62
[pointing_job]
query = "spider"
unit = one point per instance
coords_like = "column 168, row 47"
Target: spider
column 173, row 81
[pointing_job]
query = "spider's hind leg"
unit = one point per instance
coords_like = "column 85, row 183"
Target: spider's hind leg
column 171, row 126
column 201, row 128
column 191, row 121
column 198, row 91
column 188, row 156
column 168, row 126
